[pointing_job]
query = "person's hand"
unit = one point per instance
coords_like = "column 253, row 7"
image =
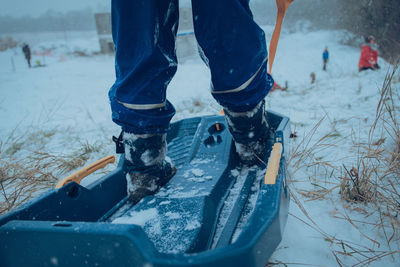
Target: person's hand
column 282, row 5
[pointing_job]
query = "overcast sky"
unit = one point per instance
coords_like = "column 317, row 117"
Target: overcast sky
column 37, row 7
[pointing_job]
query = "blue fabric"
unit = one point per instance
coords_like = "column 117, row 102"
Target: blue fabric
column 144, row 32
column 248, row 98
column 142, row 121
column 325, row 55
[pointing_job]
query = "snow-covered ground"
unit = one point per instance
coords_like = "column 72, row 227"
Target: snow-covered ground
column 70, row 95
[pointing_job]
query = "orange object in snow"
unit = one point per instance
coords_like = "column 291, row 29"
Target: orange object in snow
column 276, row 86
column 282, row 6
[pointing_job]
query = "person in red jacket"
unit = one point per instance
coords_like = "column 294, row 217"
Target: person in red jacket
column 369, row 55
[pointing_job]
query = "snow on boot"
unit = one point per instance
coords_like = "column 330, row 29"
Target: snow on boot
column 250, row 132
column 148, row 167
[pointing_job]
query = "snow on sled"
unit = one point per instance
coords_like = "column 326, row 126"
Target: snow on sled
column 213, row 212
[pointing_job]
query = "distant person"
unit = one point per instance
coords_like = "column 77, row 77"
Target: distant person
column 369, row 55
column 325, row 58
column 27, row 52
column 312, row 75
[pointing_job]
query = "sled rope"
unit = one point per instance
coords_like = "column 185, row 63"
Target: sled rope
column 273, row 164
column 282, row 6
column 79, row 175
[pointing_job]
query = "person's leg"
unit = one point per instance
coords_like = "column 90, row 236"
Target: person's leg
column 144, row 35
column 234, row 48
column 364, row 68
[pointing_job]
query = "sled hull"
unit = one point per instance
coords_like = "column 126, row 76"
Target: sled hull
column 82, row 226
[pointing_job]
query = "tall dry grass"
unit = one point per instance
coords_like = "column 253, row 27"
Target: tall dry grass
column 370, row 186
column 28, row 167
column 375, row 178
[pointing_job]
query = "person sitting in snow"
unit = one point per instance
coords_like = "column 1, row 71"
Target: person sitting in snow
column 27, row 52
column 234, row 48
column 369, row 55
column 325, row 58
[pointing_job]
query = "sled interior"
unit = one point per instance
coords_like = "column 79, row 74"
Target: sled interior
column 213, row 211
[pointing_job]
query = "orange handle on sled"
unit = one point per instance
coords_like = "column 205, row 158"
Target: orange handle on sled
column 273, row 164
column 79, row 175
column 282, row 6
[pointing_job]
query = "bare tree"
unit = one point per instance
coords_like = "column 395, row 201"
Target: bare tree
column 380, row 18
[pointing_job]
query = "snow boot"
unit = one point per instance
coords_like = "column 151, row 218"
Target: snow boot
column 250, row 132
column 148, row 167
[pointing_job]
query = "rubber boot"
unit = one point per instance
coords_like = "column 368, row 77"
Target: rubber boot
column 148, row 167
column 250, row 132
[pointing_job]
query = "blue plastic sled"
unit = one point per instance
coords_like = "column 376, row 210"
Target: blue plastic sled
column 213, row 212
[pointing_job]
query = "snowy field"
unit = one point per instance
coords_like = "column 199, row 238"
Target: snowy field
column 68, row 100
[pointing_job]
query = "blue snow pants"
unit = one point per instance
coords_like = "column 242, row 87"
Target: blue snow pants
column 144, row 32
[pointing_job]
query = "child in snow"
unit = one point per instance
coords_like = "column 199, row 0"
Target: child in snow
column 234, row 48
column 369, row 55
column 325, row 58
column 27, row 52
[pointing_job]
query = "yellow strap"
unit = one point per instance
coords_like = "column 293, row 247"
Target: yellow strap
column 79, row 175
column 273, row 164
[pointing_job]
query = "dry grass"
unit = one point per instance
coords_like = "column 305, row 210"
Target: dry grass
column 370, row 186
column 27, row 168
column 357, row 186
column 395, row 160
column 376, row 178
